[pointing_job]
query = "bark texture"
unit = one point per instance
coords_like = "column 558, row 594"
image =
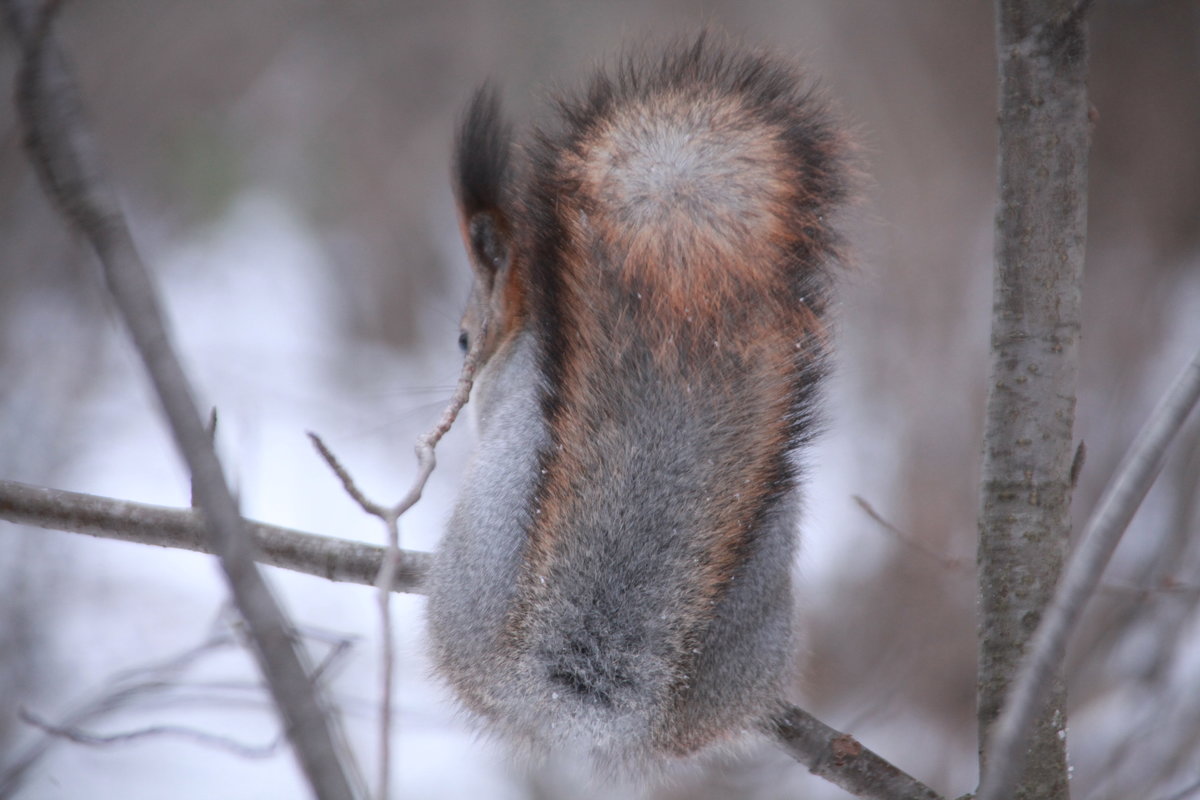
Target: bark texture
column 1101, row 535
column 1040, row 233
column 842, row 760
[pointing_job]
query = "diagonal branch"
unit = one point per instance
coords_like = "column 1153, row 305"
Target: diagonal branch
column 64, row 155
column 842, row 760
column 1100, row 537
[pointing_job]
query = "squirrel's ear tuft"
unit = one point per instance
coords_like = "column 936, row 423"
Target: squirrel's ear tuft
column 488, row 238
column 481, row 175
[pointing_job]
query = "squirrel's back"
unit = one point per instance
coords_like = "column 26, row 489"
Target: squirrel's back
column 617, row 574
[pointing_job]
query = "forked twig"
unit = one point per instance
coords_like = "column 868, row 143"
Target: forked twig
column 426, row 447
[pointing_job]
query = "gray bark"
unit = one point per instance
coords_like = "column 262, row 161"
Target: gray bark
column 842, row 760
column 1100, row 538
column 1024, row 522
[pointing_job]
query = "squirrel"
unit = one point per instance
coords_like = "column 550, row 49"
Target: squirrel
column 655, row 266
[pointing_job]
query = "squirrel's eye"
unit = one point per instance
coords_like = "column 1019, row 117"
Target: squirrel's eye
column 464, row 342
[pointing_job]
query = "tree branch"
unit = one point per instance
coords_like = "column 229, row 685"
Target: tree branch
column 80, row 736
column 64, row 155
column 1100, row 537
column 842, row 760
column 916, row 545
column 323, row 556
column 829, row 754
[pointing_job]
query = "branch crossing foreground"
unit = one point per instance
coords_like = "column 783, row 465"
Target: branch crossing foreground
column 826, row 752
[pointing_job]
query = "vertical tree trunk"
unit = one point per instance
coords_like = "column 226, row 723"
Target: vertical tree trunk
column 1024, row 520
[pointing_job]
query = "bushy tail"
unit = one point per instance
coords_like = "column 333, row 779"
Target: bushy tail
column 671, row 253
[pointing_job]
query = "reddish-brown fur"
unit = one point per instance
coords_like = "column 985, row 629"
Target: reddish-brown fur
column 698, row 266
column 668, row 251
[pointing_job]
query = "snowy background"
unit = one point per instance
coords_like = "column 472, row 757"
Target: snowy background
column 284, row 168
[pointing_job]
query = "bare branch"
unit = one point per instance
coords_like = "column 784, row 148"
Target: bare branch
column 143, row 687
column 383, row 597
column 808, row 740
column 384, row 579
column 370, row 507
column 1103, row 531
column 426, row 445
column 842, row 760
column 124, row 690
column 428, row 442
column 326, row 557
column 80, row 736
column 64, row 155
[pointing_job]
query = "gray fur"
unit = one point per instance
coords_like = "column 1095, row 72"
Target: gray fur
column 474, row 573
column 609, row 617
column 615, row 580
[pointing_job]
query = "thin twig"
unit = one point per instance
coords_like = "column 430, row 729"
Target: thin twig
column 372, row 508
column 950, row 563
column 1168, row 585
column 1108, row 522
column 124, row 690
column 383, row 598
column 426, row 447
column 137, row 688
column 384, row 579
column 80, row 736
column 426, row 462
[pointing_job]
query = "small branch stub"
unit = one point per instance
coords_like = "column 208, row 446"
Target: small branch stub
column 842, row 760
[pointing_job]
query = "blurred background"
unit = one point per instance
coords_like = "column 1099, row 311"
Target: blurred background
column 284, row 169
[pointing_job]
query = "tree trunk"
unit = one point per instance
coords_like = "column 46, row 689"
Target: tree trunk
column 1024, row 522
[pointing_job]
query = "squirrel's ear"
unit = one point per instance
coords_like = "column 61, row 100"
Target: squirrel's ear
column 481, row 177
column 488, row 237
